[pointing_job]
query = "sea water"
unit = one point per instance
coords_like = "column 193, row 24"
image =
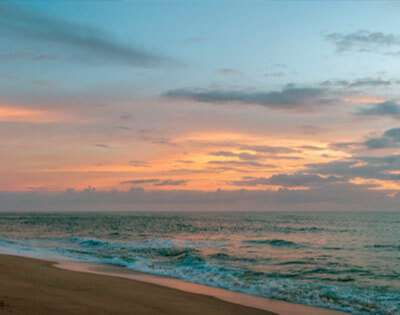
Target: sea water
column 342, row 261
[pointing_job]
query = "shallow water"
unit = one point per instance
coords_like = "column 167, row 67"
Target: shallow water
column 344, row 261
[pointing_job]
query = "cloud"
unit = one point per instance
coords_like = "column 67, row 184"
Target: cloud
column 156, row 182
column 102, row 145
column 33, row 56
column 94, row 43
column 290, row 98
column 288, row 180
column 229, row 72
column 196, row 40
column 275, row 74
column 140, row 181
column 268, row 149
column 123, row 128
column 345, row 146
column 341, row 196
column 378, row 168
column 363, row 41
column 242, row 156
column 171, row 182
column 284, row 157
column 389, row 139
column 312, row 130
column 312, row 148
column 21, row 114
column 357, row 83
column 269, row 153
column 153, row 136
column 139, row 163
column 233, row 163
column 384, row 109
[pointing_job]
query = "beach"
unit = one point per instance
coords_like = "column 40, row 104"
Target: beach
column 31, row 286
column 34, row 286
column 199, row 157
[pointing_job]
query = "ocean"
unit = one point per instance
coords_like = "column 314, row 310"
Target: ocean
column 342, row 261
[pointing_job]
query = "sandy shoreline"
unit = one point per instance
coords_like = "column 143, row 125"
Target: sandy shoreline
column 32, row 286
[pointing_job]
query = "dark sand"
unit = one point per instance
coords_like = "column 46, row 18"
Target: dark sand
column 32, row 287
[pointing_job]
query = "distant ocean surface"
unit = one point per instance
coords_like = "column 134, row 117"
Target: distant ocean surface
column 343, row 261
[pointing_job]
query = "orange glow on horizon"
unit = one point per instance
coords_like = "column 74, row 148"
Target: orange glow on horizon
column 194, row 160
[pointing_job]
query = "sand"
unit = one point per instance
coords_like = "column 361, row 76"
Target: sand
column 32, row 286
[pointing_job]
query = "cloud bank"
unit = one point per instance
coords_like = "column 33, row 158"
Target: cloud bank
column 389, row 139
column 289, row 98
column 289, row 180
column 384, row 109
column 92, row 42
column 327, row 197
column 363, row 41
column 156, row 182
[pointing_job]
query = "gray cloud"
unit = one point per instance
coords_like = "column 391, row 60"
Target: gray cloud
column 312, row 130
column 290, row 98
column 102, row 145
column 28, row 55
column 153, row 136
column 123, row 128
column 289, row 180
column 363, row 41
column 358, row 83
column 311, row 148
column 389, row 139
column 171, row 182
column 341, row 196
column 283, row 157
column 363, row 167
column 94, row 43
column 229, row 72
column 233, row 163
column 387, row 108
column 275, row 74
column 269, row 154
column 184, row 161
column 139, row 163
column 388, row 160
column 242, row 156
column 140, row 181
column 345, row 146
column 156, row 182
column 268, row 149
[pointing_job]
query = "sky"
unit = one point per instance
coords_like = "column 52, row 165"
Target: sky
column 199, row 105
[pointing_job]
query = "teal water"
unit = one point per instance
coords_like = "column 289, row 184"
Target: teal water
column 343, row 261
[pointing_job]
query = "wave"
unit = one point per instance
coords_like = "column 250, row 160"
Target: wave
column 6, row 242
column 275, row 243
column 89, row 242
column 332, row 248
column 132, row 251
column 227, row 257
column 166, row 258
column 302, row 229
column 385, row 246
column 293, row 262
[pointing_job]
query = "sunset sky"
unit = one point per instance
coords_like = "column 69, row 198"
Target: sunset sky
column 199, row 105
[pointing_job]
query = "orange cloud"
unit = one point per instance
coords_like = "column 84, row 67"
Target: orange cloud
column 377, row 184
column 20, row 114
column 205, row 161
column 364, row 99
